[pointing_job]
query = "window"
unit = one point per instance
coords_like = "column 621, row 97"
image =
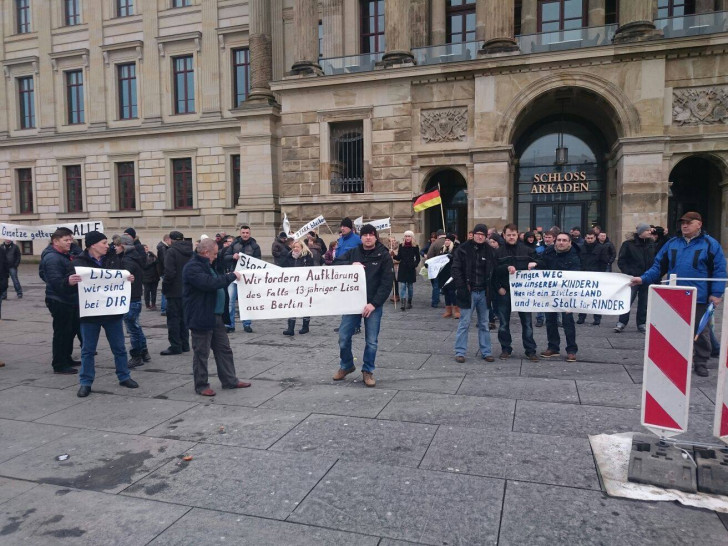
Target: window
column 184, row 85
column 22, row 13
column 181, row 3
column 74, row 188
column 25, row 190
column 372, row 26
column 517, row 14
column 321, row 38
column 236, row 178
column 74, row 97
column 124, row 8
column 241, row 71
column 182, row 182
column 127, row 91
column 26, row 97
column 26, row 248
column 347, row 157
column 73, row 12
column 674, row 8
column 555, row 15
column 460, row 21
column 611, row 12
column 125, row 185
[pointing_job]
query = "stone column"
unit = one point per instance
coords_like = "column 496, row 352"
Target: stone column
column 439, row 26
column 499, row 36
column 420, row 23
column 261, row 57
column 635, row 22
column 529, row 17
column 151, row 98
column 397, row 33
column 4, row 107
column 305, row 19
column 596, row 13
column 210, row 62
column 44, row 80
column 333, row 20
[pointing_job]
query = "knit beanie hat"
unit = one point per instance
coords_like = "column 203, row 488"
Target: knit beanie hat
column 642, row 227
column 93, row 237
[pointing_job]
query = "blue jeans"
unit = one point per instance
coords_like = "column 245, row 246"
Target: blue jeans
column 115, row 335
column 371, row 334
column 540, row 317
column 406, row 289
column 163, row 305
column 134, row 329
column 478, row 303
column 233, row 293
column 16, row 283
column 552, row 332
column 503, row 309
column 435, row 292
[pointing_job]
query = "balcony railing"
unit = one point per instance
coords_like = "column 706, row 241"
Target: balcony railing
column 447, row 53
column 577, row 38
column 351, row 63
column 693, row 25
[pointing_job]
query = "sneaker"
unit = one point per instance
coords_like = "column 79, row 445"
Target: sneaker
column 505, row 355
column 701, row 370
column 642, row 328
column 532, row 357
column 548, row 353
column 539, row 323
column 619, row 328
column 571, row 357
column 248, row 329
column 489, row 358
column 341, row 373
column 369, row 380
column 229, row 330
column 460, row 359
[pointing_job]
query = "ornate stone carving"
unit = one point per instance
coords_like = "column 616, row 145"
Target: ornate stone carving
column 444, row 124
column 700, row 105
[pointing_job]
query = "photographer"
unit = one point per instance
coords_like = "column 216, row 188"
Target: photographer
column 659, row 235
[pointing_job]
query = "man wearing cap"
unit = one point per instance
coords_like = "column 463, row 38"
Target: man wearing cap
column 435, row 250
column 635, row 257
column 379, row 273
column 177, row 255
column 693, row 254
column 99, row 256
column 472, row 267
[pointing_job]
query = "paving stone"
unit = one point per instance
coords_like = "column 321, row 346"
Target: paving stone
column 610, row 356
column 408, row 361
column 37, row 377
column 588, row 371
column 52, row 515
column 446, row 409
column 10, row 489
column 26, row 403
column 117, row 413
column 417, row 380
column 252, row 396
column 229, row 425
column 559, row 515
column 556, row 460
column 296, row 374
column 254, row 482
column 100, row 461
column 473, row 365
column 398, row 502
column 353, row 438
column 432, row 347
column 151, row 384
column 339, row 400
column 573, row 420
column 520, row 388
column 17, row 437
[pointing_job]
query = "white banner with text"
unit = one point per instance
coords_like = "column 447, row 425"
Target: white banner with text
column 570, row 291
column 302, row 292
column 103, row 291
column 246, row 262
column 18, row 232
column 312, row 225
column 435, row 265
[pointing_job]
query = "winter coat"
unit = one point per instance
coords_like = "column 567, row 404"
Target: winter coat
column 161, row 254
column 151, row 273
column 178, row 254
column 408, row 258
column 378, row 269
column 701, row 257
column 346, row 243
column 278, row 250
column 110, row 261
column 594, row 257
column 4, row 270
column 301, row 261
column 200, row 284
column 53, row 270
column 140, row 255
column 518, row 256
column 317, row 249
column 130, row 263
column 436, row 247
column 12, row 254
column 249, row 248
column 636, row 256
column 561, row 261
column 473, row 265
column 610, row 250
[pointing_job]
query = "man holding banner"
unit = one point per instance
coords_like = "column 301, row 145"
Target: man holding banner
column 242, row 245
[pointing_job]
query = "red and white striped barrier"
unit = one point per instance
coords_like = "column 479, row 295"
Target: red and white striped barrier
column 720, row 424
column 668, row 359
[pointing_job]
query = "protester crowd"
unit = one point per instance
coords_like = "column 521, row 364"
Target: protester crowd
column 199, row 293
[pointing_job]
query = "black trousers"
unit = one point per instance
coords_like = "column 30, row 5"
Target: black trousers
column 216, row 340
column 177, row 332
column 150, row 293
column 66, row 326
column 640, row 292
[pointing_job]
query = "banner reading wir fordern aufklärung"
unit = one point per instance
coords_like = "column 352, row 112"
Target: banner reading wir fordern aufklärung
column 570, row 291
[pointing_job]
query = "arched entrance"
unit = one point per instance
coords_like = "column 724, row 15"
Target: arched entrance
column 453, row 191
column 695, row 185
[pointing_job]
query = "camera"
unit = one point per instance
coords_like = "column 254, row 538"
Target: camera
column 657, row 230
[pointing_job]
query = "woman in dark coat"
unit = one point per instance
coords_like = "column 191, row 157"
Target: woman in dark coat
column 150, row 279
column 408, row 256
column 300, row 256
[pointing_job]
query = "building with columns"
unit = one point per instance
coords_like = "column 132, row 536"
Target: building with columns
column 200, row 115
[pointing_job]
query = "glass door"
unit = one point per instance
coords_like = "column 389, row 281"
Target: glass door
column 566, row 216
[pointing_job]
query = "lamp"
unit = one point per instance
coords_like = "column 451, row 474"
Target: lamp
column 562, row 152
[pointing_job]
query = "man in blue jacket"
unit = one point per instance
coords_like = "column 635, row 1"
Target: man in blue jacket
column 205, row 297
column 348, row 239
column 693, row 255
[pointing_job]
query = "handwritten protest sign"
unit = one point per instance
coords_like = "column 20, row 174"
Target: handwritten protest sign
column 435, row 265
column 19, row 232
column 103, row 291
column 313, row 224
column 246, row 262
column 570, row 291
column 302, row 292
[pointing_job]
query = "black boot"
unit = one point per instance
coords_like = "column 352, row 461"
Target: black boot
column 291, row 326
column 404, row 304
column 146, row 357
column 409, row 303
column 136, row 359
column 304, row 328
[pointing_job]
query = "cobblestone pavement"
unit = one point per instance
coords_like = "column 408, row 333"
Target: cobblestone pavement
column 437, row 453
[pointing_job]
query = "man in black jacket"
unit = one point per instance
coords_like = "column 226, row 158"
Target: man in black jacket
column 138, row 341
column 140, row 255
column 3, row 275
column 243, row 244
column 12, row 258
column 512, row 256
column 205, row 297
column 178, row 254
column 593, row 257
column 379, row 272
column 472, row 267
column 162, row 248
column 635, row 257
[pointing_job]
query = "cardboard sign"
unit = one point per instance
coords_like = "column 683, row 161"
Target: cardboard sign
column 435, row 265
column 103, row 291
column 570, row 291
column 313, row 224
column 18, row 232
column 302, row 292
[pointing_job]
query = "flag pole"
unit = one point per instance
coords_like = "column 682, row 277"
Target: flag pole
column 442, row 210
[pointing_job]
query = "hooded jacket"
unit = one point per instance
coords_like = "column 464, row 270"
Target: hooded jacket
column 378, row 269
column 12, row 254
column 636, row 256
column 178, row 254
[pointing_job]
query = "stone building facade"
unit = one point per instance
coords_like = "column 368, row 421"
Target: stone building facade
column 241, row 111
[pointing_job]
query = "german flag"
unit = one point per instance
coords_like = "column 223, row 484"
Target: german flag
column 427, row 200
